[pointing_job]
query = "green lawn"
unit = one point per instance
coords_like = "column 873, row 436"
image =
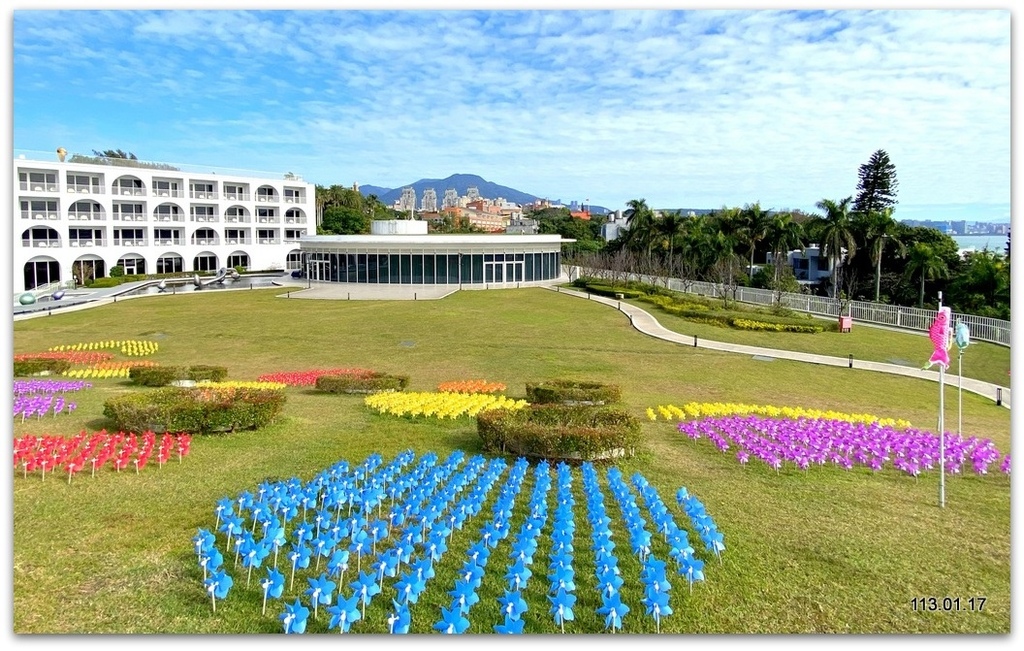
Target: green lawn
column 981, row 360
column 816, row 551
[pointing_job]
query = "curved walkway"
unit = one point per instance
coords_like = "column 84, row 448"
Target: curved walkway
column 648, row 325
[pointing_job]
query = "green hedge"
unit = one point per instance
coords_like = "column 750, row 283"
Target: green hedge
column 611, row 291
column 161, row 376
column 195, row 410
column 574, row 433
column 742, row 318
column 362, row 384
column 562, row 391
column 35, row 366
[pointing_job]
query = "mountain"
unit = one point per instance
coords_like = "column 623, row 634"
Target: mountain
column 460, row 182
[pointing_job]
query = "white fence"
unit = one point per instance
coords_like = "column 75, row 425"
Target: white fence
column 982, row 328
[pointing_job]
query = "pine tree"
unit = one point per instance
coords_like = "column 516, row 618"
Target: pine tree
column 876, row 190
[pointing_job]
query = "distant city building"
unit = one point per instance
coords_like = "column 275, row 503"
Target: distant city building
column 472, row 193
column 613, row 228
column 451, row 198
column 407, row 202
column 522, row 226
column 429, row 202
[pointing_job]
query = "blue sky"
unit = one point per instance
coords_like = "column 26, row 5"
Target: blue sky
column 695, row 109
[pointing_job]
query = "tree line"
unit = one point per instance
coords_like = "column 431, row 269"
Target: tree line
column 870, row 255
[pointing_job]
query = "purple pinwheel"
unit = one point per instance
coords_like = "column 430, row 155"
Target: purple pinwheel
column 294, row 617
column 614, row 610
column 510, row 626
column 320, row 591
column 399, row 619
column 218, row 584
column 561, row 607
column 273, row 586
column 365, row 587
column 452, row 622
column 344, row 613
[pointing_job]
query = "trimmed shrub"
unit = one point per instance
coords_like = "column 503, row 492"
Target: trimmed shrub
column 572, row 391
column 574, row 433
column 161, row 376
column 155, row 376
column 201, row 372
column 37, row 365
column 195, row 409
column 610, row 291
column 369, row 383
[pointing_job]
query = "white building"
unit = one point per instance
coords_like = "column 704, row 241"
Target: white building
column 79, row 219
column 809, row 266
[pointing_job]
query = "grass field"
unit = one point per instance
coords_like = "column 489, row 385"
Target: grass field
column 822, row 550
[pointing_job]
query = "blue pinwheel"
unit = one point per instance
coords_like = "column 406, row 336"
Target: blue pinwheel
column 361, row 544
column 218, row 584
column 210, row 561
column 399, row 619
column 512, row 604
column 386, row 565
column 561, row 607
column 338, row 564
column 225, row 506
column 614, row 610
column 298, row 555
column 463, row 596
column 452, row 622
column 365, row 588
column 203, row 541
column 273, row 586
column 423, row 568
column 320, row 591
column 657, row 606
column 294, row 617
column 409, row 587
column 562, row 578
column 510, row 626
column 693, row 569
column 472, row 573
column 253, row 553
column 344, row 612
column 518, row 575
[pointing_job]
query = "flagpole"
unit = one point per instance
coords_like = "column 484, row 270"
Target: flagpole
column 942, row 428
column 960, row 394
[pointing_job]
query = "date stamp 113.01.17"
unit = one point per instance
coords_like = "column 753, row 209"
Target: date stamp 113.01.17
column 948, row 604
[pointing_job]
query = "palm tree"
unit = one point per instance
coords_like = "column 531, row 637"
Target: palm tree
column 835, row 233
column 783, row 235
column 640, row 220
column 754, row 224
column 879, row 226
column 923, row 261
column 669, row 226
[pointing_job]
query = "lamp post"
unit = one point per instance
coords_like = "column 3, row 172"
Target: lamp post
column 460, row 271
column 878, row 271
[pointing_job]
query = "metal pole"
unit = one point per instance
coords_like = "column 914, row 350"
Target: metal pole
column 942, row 428
column 960, row 393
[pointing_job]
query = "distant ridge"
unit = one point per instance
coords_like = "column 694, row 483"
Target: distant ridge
column 461, row 183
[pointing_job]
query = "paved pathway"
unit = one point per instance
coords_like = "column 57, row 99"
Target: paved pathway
column 647, row 324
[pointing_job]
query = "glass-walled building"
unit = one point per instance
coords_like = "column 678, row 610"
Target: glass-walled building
column 433, row 259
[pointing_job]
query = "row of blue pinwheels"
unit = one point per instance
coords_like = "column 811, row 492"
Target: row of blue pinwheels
column 401, row 517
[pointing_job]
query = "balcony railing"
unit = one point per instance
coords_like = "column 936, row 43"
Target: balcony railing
column 38, row 186
column 86, row 216
column 263, row 198
column 236, row 196
column 41, row 244
column 295, row 220
column 270, row 240
column 238, row 240
column 76, row 188
column 129, row 192
column 268, row 220
column 175, row 241
column 169, row 218
column 237, row 219
column 86, row 243
column 136, row 242
column 206, row 241
column 205, row 218
column 39, row 214
column 194, row 194
column 129, row 218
